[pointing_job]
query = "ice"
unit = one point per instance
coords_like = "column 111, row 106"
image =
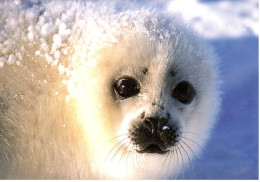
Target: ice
column 47, row 29
column 19, row 55
column 45, row 46
column 6, row 49
column 57, row 54
column 61, row 69
column 49, row 58
column 2, row 61
column 18, row 63
column 11, row 59
column 37, row 53
column 63, row 31
column 57, row 40
column 30, row 36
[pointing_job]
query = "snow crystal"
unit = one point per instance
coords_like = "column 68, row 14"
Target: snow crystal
column 45, row 46
column 11, row 59
column 30, row 28
column 49, row 58
column 18, row 63
column 57, row 40
column 61, row 69
column 55, row 62
column 62, row 27
column 3, row 59
column 37, row 53
column 6, row 49
column 57, row 54
column 47, row 29
column 12, row 24
column 8, row 42
column 19, row 55
column 63, row 32
column 64, row 51
column 30, row 36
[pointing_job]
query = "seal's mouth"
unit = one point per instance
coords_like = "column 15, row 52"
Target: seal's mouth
column 153, row 148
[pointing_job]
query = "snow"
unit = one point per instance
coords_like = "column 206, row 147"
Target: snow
column 57, row 40
column 11, row 59
column 49, row 58
column 232, row 28
column 220, row 18
column 47, row 29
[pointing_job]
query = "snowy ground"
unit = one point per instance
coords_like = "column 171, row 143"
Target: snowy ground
column 232, row 28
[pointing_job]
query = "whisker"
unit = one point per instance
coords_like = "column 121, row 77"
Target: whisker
column 115, row 147
column 123, row 145
column 190, row 149
column 166, row 158
column 128, row 152
column 178, row 163
column 177, row 157
column 171, row 158
column 132, row 153
column 192, row 141
column 187, row 156
column 122, row 154
column 136, row 159
column 182, row 161
column 114, row 138
column 142, row 157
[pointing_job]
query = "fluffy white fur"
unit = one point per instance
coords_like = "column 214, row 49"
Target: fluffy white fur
column 58, row 116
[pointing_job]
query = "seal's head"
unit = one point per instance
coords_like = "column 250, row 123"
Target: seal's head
column 160, row 101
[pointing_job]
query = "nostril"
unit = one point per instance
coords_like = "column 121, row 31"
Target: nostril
column 142, row 115
column 155, row 124
column 148, row 125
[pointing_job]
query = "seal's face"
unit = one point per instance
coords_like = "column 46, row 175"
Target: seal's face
column 154, row 129
column 154, row 98
column 155, row 104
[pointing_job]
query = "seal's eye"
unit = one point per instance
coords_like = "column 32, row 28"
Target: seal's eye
column 126, row 87
column 184, row 92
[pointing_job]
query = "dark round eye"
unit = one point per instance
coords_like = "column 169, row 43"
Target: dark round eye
column 184, row 92
column 126, row 87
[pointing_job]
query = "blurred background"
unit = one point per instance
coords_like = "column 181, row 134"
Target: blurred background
column 232, row 28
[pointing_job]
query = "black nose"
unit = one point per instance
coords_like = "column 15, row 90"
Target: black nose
column 155, row 125
column 154, row 135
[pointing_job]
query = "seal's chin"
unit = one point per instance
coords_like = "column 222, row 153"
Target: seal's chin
column 153, row 148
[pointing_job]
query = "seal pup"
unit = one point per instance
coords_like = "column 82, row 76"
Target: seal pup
column 101, row 90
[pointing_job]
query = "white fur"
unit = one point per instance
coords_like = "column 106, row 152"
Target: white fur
column 58, row 116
